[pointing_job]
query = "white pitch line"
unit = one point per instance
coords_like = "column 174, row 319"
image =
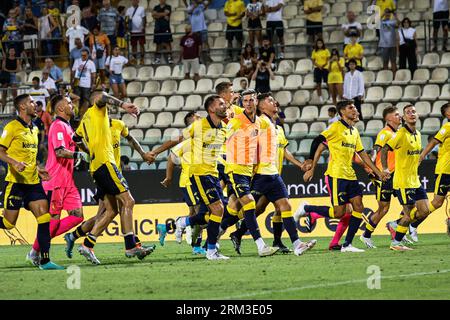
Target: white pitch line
column 333, row 284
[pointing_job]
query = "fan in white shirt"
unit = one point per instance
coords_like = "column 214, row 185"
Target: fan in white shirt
column 351, row 26
column 440, row 18
column 114, row 65
column 354, row 86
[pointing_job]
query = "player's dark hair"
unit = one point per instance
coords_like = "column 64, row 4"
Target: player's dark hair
column 342, row 105
column 316, row 47
column 190, row 114
column 407, row 106
column 247, row 92
column 19, row 100
column 222, row 87
column 55, row 100
column 388, row 110
column 85, row 50
column 210, row 100
column 36, row 79
column 39, row 103
column 444, row 108
column 352, row 61
column 125, row 159
column 261, row 97
column 332, row 109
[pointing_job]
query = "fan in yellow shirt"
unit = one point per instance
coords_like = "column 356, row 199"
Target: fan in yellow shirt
column 354, row 50
column 320, row 57
column 335, row 76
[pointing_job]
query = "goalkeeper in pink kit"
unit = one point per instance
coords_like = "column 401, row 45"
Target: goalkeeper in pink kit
column 61, row 190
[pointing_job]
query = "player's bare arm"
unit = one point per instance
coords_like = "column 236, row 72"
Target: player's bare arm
column 19, row 166
column 165, row 146
column 112, row 101
column 383, row 157
column 366, row 159
column 169, row 172
column 433, row 143
column 310, row 173
column 43, row 174
column 289, row 157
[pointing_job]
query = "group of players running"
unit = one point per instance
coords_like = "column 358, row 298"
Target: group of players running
column 239, row 150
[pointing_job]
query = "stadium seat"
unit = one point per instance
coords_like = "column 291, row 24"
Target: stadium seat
column 330, row 21
column 283, row 97
column 360, row 126
column 219, row 80
column 373, row 127
column 367, row 143
column 369, row 35
column 137, row 134
column 296, row 23
column 129, row 73
column 177, row 17
column 384, row 77
column 304, row 66
column 431, row 125
column 436, row 111
column 338, row 9
column 336, row 37
column 32, row 74
column 202, row 113
column 171, row 134
column 421, row 5
column 151, row 88
column 141, row 102
column 421, row 76
column 308, row 82
column 402, row 77
column 215, row 28
column 211, row 14
column 315, row 98
column 411, row 93
column 299, row 130
column 277, row 83
column 215, row 70
column 369, row 78
column 162, row 73
column 355, row 6
column 186, row 87
column 379, row 111
column 157, row 104
column 66, row 75
column 445, row 60
column 374, row 63
column 289, row 11
column 145, row 73
column 163, row 120
column 304, row 147
column 175, row 103
column 193, row 102
column 430, row 60
column 146, row 166
column 292, row 146
column 301, row 97
column 309, row 113
column 237, row 83
column 179, row 119
column 445, row 93
column 169, row 87
column 439, row 75
column 129, row 120
column 292, row 114
column 152, row 136
column 231, row 69
column 289, row 39
column 146, row 120
column 162, row 165
column 286, row 67
column 367, row 110
column 401, row 105
column 430, row 92
column 423, row 108
column 316, row 128
column 203, row 86
column 126, row 151
column 323, row 114
column 293, row 82
column 134, row 89
column 302, row 38
column 374, row 94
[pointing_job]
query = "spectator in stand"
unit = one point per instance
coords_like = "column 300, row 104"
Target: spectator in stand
column 191, row 46
column 274, row 11
column 354, row 50
column 336, row 67
column 262, row 76
column 12, row 34
column 196, row 13
column 320, row 57
column 30, row 35
column 234, row 10
column 352, row 27
column 244, row 85
column 383, row 5
column 125, row 163
column 57, row 32
column 314, row 19
column 55, row 72
column 36, row 6
column 137, row 21
column 333, row 115
column 82, row 79
column 45, row 117
column 249, row 60
column 354, row 86
column 254, row 12
column 10, row 66
column 47, row 24
column 121, row 29
column 407, row 45
column 75, row 53
column 267, row 52
column 100, row 48
column 440, row 18
column 38, row 92
column 47, row 82
column 109, row 21
column 75, row 32
column 163, row 35
column 115, row 64
column 89, row 20
column 388, row 40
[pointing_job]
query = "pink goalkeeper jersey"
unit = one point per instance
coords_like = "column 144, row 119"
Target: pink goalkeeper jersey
column 60, row 169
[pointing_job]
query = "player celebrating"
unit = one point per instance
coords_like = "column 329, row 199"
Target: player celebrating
column 343, row 141
column 18, row 148
column 406, row 144
column 61, row 189
column 392, row 118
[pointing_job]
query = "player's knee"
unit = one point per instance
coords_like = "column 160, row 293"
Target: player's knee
column 6, row 224
column 217, row 208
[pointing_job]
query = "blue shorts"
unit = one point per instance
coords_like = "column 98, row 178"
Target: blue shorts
column 116, row 79
column 385, row 190
column 240, row 184
column 270, row 186
column 410, row 196
column 208, row 188
column 222, row 175
column 100, row 62
column 18, row 194
column 442, row 185
column 189, row 196
column 342, row 190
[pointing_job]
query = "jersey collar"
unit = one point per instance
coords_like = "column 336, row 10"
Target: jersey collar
column 251, row 120
column 270, row 118
column 345, row 124
column 62, row 119
column 409, row 129
column 22, row 122
column 392, row 128
column 211, row 123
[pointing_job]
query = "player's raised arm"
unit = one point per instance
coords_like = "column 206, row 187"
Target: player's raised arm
column 108, row 99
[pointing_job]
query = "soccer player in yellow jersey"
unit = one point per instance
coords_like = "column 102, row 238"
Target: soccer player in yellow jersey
column 442, row 171
column 267, row 181
column 242, row 149
column 343, row 141
column 407, row 146
column 18, row 148
column 111, row 185
column 392, row 117
column 207, row 137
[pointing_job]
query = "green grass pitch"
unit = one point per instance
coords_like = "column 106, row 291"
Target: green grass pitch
column 171, row 272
